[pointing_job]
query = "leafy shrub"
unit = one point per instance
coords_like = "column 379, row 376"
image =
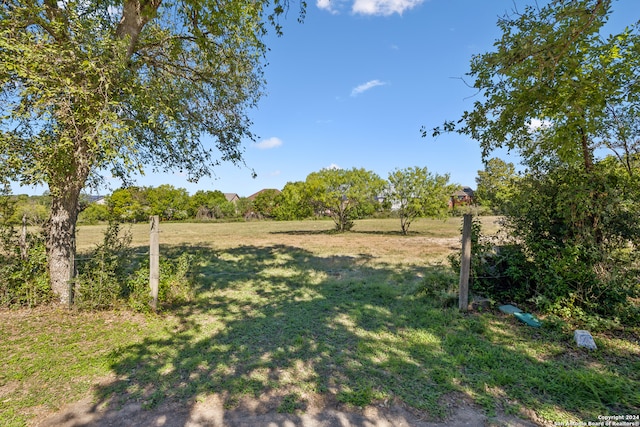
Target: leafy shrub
column 111, row 277
column 439, row 287
column 580, row 231
column 499, row 270
column 23, row 274
column 93, row 214
column 24, row 281
column 570, row 247
column 98, row 284
column 174, row 288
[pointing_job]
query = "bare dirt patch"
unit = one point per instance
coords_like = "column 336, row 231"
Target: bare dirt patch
column 322, row 411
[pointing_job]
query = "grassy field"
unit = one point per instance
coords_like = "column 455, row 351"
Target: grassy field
column 293, row 313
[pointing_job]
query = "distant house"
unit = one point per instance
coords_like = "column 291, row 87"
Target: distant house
column 232, row 197
column 99, row 200
column 461, row 197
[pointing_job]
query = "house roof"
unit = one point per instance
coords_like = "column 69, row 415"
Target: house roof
column 254, row 195
column 231, row 197
column 465, row 191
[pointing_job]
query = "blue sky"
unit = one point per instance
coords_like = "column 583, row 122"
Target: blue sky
column 353, row 84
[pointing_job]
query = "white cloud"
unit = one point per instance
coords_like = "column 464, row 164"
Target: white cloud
column 333, row 166
column 369, row 7
column 328, row 5
column 269, row 143
column 383, row 7
column 366, row 86
column 536, row 124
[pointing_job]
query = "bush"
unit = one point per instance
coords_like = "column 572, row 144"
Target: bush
column 570, row 247
column 102, row 272
column 175, row 286
column 111, row 277
column 23, row 274
column 24, row 281
column 93, row 214
column 499, row 270
column 439, row 287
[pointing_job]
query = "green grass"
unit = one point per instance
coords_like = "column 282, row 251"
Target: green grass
column 296, row 312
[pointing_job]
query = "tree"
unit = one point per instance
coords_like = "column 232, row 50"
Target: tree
column 561, row 93
column 209, row 204
column 266, row 202
column 495, row 184
column 92, row 86
column 128, row 204
column 168, row 202
column 418, row 193
column 291, row 203
column 340, row 193
column 555, row 89
column 94, row 213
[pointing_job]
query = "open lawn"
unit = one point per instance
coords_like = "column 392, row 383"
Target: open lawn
column 291, row 315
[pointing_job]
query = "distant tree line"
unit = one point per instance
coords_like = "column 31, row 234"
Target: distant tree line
column 343, row 195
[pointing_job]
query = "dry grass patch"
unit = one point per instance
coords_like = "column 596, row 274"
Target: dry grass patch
column 376, row 240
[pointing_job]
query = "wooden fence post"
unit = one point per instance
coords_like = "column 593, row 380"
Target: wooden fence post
column 154, row 259
column 465, row 263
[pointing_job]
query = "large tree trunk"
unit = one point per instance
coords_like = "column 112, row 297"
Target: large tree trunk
column 61, row 248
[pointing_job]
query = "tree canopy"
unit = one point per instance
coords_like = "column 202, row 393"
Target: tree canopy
column 495, row 184
column 88, row 87
column 343, row 194
column 566, row 97
column 555, row 87
column 418, row 193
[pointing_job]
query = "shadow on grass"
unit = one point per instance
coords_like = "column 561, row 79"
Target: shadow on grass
column 306, row 232
column 277, row 329
column 333, row 231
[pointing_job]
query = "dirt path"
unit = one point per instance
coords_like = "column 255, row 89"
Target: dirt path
column 211, row 413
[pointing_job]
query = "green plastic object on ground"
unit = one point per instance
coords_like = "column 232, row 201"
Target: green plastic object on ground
column 528, row 319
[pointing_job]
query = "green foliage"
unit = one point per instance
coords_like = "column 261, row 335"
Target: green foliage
column 23, row 281
column 495, row 184
column 94, row 213
column 419, row 193
column 580, row 231
column 127, row 92
column 342, row 194
column 111, row 276
column 128, row 205
column 134, row 204
column 103, row 271
column 265, row 203
column 23, row 275
column 555, row 87
column 570, row 246
column 291, row 203
column 168, row 202
column 499, row 270
column 207, row 205
column 175, row 286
